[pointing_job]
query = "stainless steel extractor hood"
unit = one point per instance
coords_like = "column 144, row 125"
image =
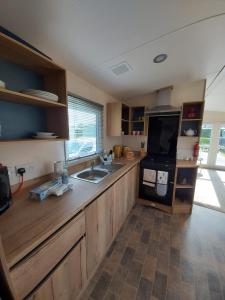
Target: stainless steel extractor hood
column 164, row 106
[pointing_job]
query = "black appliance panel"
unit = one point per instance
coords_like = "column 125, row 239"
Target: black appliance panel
column 162, row 136
column 149, row 192
column 5, row 190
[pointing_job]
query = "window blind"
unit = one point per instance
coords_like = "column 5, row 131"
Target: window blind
column 85, row 128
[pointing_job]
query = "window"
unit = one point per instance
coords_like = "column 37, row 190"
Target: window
column 220, row 157
column 205, row 142
column 85, row 128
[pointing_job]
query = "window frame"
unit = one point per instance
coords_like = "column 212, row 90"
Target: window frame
column 89, row 156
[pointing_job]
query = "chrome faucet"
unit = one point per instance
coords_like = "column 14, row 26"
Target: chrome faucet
column 92, row 165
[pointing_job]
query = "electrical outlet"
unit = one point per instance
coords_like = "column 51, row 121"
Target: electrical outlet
column 29, row 170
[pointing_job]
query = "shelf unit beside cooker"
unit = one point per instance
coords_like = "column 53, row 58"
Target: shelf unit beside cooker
column 194, row 121
column 23, row 59
column 183, row 194
column 187, row 170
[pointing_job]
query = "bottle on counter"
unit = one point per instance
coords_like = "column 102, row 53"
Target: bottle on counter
column 65, row 176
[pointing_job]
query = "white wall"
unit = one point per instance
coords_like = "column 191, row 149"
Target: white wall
column 43, row 154
column 214, row 117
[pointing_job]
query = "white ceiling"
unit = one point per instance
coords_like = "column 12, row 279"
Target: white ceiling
column 215, row 92
column 90, row 36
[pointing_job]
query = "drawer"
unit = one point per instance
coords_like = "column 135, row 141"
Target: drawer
column 32, row 270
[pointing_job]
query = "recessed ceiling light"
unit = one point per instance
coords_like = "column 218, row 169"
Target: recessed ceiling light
column 160, row 58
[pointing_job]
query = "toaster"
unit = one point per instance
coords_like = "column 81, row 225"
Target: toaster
column 5, row 190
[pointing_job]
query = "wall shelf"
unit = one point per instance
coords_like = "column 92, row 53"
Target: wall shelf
column 19, row 53
column 27, row 99
column 23, row 68
column 184, row 186
column 191, row 120
column 31, row 140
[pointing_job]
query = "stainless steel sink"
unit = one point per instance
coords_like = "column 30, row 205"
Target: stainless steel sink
column 95, row 176
column 98, row 173
column 112, row 167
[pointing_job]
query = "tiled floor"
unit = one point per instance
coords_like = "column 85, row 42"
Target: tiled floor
column 210, row 189
column 158, row 256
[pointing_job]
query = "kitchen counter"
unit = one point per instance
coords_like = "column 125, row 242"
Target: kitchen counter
column 186, row 163
column 29, row 222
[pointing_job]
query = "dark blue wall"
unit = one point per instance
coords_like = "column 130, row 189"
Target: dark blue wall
column 17, row 77
column 20, row 121
column 17, row 120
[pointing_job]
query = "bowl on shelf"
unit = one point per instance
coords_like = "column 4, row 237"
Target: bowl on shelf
column 41, row 94
column 45, row 135
column 2, row 84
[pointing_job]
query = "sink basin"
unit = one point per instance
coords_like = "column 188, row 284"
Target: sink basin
column 112, row 167
column 99, row 172
column 94, row 176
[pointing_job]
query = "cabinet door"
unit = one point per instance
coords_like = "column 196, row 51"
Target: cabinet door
column 114, row 117
column 44, row 292
column 132, row 187
column 68, row 279
column 120, row 202
column 99, row 229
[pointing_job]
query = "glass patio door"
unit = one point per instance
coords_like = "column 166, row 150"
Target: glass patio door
column 220, row 156
column 205, row 142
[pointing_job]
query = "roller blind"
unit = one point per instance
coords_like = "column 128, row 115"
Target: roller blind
column 85, row 128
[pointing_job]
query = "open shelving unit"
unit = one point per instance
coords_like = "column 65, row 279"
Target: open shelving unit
column 192, row 114
column 184, row 187
column 126, row 120
column 29, row 69
column 186, row 171
column 28, row 99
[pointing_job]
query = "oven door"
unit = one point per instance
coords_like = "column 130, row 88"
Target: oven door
column 156, row 183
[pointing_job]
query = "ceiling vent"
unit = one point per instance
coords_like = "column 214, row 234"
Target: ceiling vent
column 121, row 68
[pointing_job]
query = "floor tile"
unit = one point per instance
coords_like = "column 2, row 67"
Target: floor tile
column 157, row 256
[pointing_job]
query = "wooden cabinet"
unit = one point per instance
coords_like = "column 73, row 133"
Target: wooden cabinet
column 184, row 189
column 99, row 229
column 30, row 271
column 68, row 279
column 118, row 119
column 60, row 266
column 125, row 120
column 24, row 68
column 105, row 216
column 44, row 292
column 132, row 187
column 120, row 202
column 125, row 193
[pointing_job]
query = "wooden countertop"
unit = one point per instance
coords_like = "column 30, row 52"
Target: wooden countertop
column 186, row 164
column 29, row 222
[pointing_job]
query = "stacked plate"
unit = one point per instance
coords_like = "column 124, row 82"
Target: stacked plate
column 41, row 94
column 2, row 84
column 45, row 135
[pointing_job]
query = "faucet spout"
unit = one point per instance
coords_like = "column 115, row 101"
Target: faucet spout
column 92, row 165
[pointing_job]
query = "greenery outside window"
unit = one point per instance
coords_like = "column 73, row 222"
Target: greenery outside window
column 85, row 128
